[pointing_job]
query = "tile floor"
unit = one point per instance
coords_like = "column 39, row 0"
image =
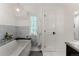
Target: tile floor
column 36, row 53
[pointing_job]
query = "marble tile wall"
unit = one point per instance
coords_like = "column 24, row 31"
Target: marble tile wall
column 17, row 31
column 22, row 31
column 7, row 28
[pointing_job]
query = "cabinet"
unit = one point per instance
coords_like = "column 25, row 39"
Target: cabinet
column 71, row 52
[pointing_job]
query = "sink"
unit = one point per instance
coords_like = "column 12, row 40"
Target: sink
column 76, row 42
column 74, row 45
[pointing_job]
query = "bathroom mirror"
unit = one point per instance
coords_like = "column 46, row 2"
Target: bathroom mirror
column 76, row 25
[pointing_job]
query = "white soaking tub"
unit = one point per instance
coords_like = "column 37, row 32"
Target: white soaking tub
column 16, row 48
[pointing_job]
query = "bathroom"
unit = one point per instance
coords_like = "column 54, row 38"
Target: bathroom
column 37, row 29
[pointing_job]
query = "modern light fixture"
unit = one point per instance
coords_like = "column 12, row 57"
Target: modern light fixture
column 76, row 12
column 17, row 9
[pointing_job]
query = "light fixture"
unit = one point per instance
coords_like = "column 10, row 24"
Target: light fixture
column 76, row 12
column 17, row 9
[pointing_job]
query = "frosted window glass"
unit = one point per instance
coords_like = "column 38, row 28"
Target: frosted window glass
column 34, row 25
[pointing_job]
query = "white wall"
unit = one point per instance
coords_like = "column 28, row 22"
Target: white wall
column 6, row 15
column 28, row 10
column 69, row 24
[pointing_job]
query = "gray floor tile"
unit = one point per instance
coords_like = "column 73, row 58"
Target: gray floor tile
column 36, row 53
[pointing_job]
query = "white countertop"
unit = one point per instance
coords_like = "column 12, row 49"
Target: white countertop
column 73, row 44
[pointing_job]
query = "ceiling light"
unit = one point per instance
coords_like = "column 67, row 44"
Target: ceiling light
column 17, row 9
column 76, row 12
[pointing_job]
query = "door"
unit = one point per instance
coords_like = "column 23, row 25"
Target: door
column 49, row 31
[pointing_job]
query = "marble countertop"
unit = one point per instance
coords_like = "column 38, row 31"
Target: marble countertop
column 73, row 44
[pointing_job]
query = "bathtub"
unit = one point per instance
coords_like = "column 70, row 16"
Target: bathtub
column 16, row 48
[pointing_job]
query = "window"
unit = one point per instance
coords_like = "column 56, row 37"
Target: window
column 34, row 25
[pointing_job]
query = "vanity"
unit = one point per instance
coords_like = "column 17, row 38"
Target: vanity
column 72, row 48
column 16, row 48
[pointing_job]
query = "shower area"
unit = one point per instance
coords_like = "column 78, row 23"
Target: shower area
column 47, row 29
column 35, row 33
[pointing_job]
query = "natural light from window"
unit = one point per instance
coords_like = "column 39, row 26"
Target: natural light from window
column 34, row 25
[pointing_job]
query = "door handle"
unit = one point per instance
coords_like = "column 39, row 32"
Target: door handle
column 54, row 33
